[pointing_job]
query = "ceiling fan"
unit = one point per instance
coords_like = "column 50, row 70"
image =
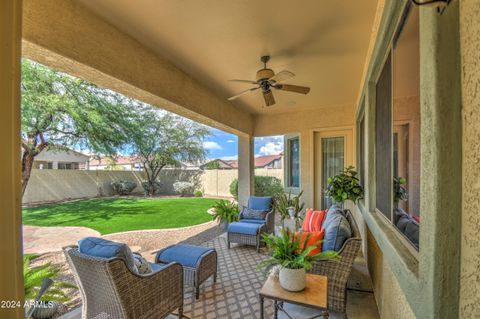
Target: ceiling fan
column 267, row 79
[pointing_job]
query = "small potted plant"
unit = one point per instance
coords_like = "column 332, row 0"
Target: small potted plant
column 400, row 193
column 51, row 297
column 293, row 257
column 344, row 186
column 225, row 212
column 289, row 206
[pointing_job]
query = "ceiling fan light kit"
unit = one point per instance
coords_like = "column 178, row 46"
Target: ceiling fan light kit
column 266, row 80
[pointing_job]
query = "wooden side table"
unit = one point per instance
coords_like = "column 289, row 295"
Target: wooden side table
column 313, row 296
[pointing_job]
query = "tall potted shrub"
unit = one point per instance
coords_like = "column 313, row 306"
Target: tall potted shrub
column 293, row 257
column 344, row 186
column 225, row 212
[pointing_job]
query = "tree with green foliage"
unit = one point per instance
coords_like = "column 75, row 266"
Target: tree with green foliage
column 159, row 139
column 62, row 112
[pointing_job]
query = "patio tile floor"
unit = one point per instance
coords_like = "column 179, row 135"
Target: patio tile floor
column 235, row 295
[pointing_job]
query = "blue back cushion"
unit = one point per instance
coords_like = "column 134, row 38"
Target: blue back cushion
column 333, row 211
column 260, row 203
column 336, row 233
column 99, row 247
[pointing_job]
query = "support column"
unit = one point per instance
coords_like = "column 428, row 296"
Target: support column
column 246, row 169
column 11, row 264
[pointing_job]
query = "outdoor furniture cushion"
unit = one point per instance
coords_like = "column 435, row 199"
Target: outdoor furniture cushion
column 333, row 211
column 99, row 247
column 186, row 255
column 253, row 221
column 142, row 264
column 314, row 239
column 336, row 233
column 244, row 228
column 260, row 203
column 249, row 213
column 313, row 220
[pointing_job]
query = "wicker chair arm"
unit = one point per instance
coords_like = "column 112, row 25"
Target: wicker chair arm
column 270, row 221
column 148, row 295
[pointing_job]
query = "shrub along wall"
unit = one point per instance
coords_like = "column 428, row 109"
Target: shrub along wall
column 59, row 185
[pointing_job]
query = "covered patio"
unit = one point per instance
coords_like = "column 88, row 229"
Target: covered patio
column 394, row 92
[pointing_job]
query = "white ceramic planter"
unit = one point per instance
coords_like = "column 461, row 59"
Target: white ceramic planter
column 292, row 279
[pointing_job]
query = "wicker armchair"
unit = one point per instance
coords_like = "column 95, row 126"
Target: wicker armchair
column 109, row 289
column 266, row 226
column 339, row 271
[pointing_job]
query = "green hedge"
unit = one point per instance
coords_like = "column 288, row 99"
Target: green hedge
column 264, row 186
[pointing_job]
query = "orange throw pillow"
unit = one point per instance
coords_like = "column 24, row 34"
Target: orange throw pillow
column 313, row 220
column 306, row 221
column 314, row 239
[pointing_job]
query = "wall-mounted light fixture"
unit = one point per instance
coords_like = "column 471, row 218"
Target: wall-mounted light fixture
column 439, row 4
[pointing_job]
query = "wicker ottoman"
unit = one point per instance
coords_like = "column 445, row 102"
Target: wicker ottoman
column 245, row 233
column 199, row 263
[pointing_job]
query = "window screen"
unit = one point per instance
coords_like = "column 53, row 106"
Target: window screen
column 383, row 140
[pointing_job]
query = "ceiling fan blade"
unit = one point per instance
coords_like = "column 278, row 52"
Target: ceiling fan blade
column 242, row 93
column 293, row 88
column 243, row 81
column 282, row 76
column 269, row 99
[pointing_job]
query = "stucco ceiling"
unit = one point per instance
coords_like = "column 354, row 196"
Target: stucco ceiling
column 323, row 42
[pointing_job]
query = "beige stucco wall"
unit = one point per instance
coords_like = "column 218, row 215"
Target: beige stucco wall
column 304, row 124
column 389, row 296
column 58, row 185
column 470, row 257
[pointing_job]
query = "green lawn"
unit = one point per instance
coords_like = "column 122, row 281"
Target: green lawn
column 116, row 215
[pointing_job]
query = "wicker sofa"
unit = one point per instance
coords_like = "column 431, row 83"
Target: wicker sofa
column 249, row 232
column 110, row 289
column 339, row 271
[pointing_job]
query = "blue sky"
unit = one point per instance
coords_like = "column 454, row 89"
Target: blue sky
column 225, row 145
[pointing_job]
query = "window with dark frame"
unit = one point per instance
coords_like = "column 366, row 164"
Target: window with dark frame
column 294, row 162
column 362, row 146
column 383, row 140
column 397, row 132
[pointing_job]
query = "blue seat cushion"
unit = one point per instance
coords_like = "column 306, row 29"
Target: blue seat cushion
column 337, row 232
column 186, row 255
column 260, row 203
column 99, row 247
column 253, row 221
column 244, row 228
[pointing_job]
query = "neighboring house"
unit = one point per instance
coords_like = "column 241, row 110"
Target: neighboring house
column 129, row 163
column 61, row 159
column 267, row 161
column 120, row 163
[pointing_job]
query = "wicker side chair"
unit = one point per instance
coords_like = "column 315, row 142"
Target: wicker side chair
column 339, row 271
column 264, row 226
column 109, row 289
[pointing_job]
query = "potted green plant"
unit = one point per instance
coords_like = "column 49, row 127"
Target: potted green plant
column 225, row 212
column 344, row 186
column 34, row 278
column 399, row 190
column 292, row 256
column 289, row 206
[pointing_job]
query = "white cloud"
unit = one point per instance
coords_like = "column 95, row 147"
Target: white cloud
column 228, row 158
column 271, row 148
column 211, row 145
column 230, row 141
